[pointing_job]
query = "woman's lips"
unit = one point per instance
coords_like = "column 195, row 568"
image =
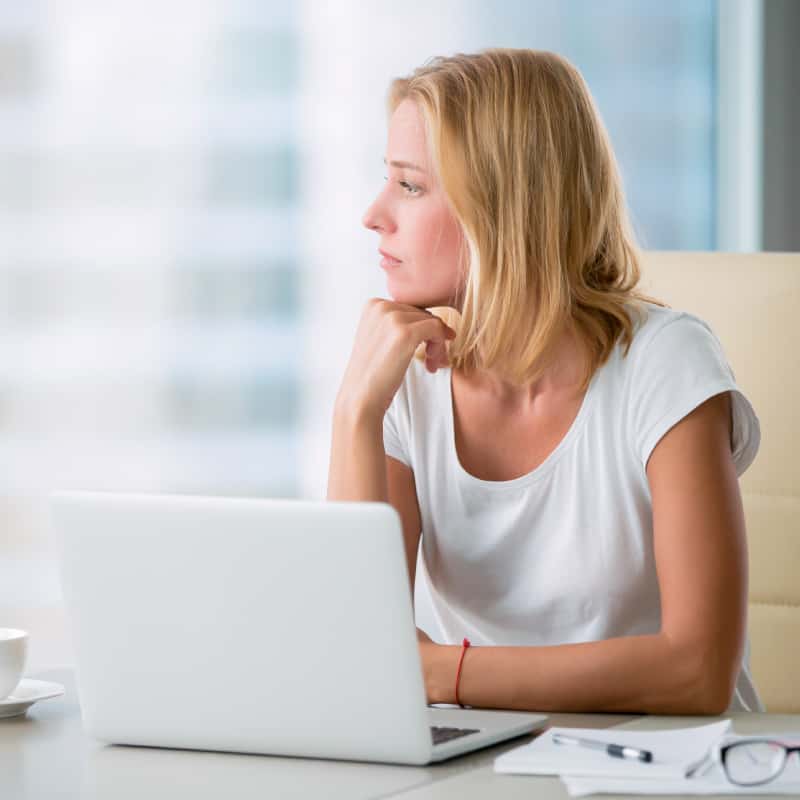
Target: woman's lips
column 389, row 261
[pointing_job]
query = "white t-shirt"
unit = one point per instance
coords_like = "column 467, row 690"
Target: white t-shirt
column 563, row 554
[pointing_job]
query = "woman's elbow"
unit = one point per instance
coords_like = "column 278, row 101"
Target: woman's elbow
column 717, row 685
column 707, row 680
column 713, row 686
column 711, row 699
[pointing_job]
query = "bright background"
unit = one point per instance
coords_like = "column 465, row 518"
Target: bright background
column 182, row 262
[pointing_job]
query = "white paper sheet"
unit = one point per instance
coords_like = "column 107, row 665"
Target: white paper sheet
column 712, row 782
column 706, row 778
column 675, row 753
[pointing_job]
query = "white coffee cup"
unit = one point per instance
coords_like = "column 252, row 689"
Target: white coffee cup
column 13, row 652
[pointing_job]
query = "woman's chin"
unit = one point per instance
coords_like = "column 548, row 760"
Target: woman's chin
column 418, row 299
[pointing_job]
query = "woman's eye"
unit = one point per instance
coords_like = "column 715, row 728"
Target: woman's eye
column 409, row 187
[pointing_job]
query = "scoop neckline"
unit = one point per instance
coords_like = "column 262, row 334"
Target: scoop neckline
column 538, row 472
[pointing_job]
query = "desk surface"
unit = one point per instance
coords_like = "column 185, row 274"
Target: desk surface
column 46, row 754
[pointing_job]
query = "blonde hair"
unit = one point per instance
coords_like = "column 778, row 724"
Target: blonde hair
column 526, row 164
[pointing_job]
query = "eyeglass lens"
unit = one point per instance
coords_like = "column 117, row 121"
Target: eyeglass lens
column 754, row 762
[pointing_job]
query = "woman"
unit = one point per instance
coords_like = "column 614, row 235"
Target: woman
column 570, row 455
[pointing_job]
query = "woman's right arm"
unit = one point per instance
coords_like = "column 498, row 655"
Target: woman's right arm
column 361, row 471
column 357, row 470
column 387, row 336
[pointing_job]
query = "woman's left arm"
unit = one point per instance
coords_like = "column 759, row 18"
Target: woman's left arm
column 690, row 666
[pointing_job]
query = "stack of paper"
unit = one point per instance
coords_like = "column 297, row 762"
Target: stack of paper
column 714, row 782
column 675, row 753
column 681, row 764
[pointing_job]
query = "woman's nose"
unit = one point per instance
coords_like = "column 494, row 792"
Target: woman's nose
column 376, row 218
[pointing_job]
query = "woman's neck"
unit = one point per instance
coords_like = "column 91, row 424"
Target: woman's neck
column 562, row 378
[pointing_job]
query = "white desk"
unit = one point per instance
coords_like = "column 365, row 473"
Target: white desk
column 46, row 755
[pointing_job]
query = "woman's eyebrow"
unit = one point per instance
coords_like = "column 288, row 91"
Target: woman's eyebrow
column 404, row 165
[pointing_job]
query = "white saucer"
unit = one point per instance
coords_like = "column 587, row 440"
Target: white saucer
column 26, row 694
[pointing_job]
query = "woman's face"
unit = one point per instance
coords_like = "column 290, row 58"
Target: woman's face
column 414, row 219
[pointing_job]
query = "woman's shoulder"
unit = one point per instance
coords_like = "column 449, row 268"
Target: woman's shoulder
column 676, row 363
column 664, row 331
column 666, row 343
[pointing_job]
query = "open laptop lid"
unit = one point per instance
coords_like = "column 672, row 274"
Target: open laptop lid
column 251, row 625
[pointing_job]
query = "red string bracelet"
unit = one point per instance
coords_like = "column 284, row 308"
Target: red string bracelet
column 464, row 645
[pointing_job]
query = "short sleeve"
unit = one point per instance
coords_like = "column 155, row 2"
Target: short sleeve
column 396, row 426
column 679, row 368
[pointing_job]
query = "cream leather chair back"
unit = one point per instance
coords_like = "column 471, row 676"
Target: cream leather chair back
column 752, row 301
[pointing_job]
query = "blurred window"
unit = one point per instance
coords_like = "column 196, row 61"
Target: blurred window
column 160, row 205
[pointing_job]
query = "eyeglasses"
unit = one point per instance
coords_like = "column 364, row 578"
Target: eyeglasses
column 749, row 762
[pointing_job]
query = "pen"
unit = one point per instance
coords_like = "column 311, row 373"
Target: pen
column 616, row 750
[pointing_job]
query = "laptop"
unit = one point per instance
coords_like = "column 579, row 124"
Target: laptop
column 273, row 626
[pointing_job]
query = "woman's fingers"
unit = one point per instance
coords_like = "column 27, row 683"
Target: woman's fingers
column 431, row 327
column 436, row 334
column 435, row 355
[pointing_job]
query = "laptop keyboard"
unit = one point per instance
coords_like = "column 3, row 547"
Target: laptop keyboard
column 441, row 734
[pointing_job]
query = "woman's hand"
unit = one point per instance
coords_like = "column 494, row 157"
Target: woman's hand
column 387, row 336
